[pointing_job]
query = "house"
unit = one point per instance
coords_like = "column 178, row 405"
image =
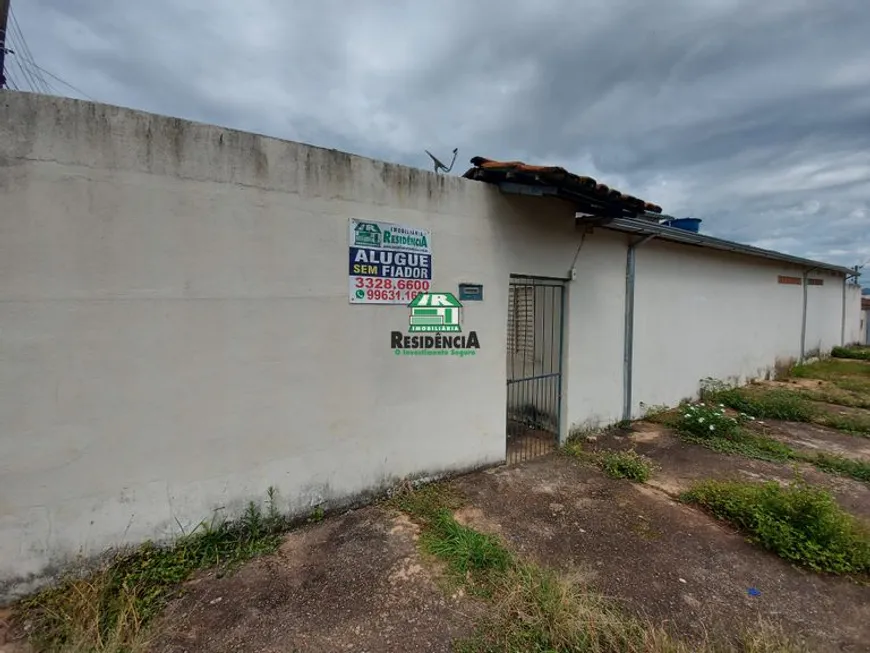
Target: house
column 191, row 315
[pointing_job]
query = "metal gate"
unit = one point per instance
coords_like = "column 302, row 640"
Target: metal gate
column 534, row 366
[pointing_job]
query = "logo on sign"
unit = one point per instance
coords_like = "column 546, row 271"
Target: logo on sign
column 367, row 234
column 435, row 312
column 439, row 315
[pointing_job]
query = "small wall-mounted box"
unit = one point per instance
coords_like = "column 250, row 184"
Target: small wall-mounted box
column 470, row 292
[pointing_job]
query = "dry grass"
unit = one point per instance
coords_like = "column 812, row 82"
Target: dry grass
column 109, row 609
column 532, row 609
column 79, row 623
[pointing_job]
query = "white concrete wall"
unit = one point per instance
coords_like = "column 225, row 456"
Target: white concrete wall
column 824, row 313
column 701, row 313
column 176, row 336
column 854, row 330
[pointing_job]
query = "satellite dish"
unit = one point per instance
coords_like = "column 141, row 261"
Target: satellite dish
column 440, row 167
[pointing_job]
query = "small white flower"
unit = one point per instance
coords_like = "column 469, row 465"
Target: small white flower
column 721, row 405
column 753, row 419
column 700, row 420
column 712, row 428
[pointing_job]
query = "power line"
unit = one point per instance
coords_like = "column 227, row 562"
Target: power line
column 55, row 77
column 11, row 80
column 26, row 56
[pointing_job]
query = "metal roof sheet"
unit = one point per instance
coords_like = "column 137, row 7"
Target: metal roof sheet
column 672, row 234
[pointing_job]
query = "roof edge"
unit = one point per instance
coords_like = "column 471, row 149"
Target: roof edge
column 672, row 234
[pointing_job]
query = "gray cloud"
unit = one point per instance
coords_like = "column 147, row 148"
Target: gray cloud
column 753, row 116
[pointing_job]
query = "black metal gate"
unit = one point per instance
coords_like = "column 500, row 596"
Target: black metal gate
column 534, row 366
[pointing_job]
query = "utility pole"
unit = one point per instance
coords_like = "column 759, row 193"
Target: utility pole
column 4, row 19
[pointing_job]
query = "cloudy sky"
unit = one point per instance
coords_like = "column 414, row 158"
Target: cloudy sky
column 754, row 116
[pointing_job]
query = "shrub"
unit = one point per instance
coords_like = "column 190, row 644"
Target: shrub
column 800, row 523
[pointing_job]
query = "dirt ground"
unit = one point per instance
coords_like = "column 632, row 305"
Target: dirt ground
column 358, row 583
column 661, row 558
column 352, row 583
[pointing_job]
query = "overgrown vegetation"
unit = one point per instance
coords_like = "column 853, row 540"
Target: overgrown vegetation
column 764, row 402
column 800, row 523
column 535, row 610
column 626, row 464
column 856, row 352
column 108, row 610
column 729, row 435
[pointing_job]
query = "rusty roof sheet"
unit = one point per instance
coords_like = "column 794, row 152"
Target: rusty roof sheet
column 581, row 188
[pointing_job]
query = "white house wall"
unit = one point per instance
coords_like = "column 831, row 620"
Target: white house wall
column 176, row 335
column 824, row 313
column 854, row 331
column 700, row 313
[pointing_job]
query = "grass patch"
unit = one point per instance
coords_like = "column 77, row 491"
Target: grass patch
column 109, row 609
column 534, row 609
column 767, row 403
column 626, row 464
column 856, row 423
column 847, row 374
column 857, row 353
column 792, row 406
column 747, row 444
column 800, row 523
column 838, row 396
column 839, row 465
column 730, row 436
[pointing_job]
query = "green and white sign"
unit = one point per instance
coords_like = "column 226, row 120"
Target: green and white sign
column 435, row 312
column 389, row 263
column 435, row 328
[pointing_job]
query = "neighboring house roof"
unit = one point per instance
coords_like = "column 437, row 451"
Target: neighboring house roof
column 865, row 303
column 615, row 210
column 586, row 192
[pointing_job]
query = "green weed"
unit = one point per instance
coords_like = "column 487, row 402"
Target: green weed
column 800, row 523
column 109, row 609
column 625, row 464
column 839, row 465
column 857, row 353
column 832, row 369
column 709, row 421
column 616, row 464
column 748, row 444
column 856, row 423
column 837, row 395
column 729, row 436
column 536, row 610
column 773, row 403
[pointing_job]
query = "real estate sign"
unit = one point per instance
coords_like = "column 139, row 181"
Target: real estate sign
column 389, row 263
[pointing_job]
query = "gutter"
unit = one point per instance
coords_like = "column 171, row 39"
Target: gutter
column 628, row 343
column 804, row 316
